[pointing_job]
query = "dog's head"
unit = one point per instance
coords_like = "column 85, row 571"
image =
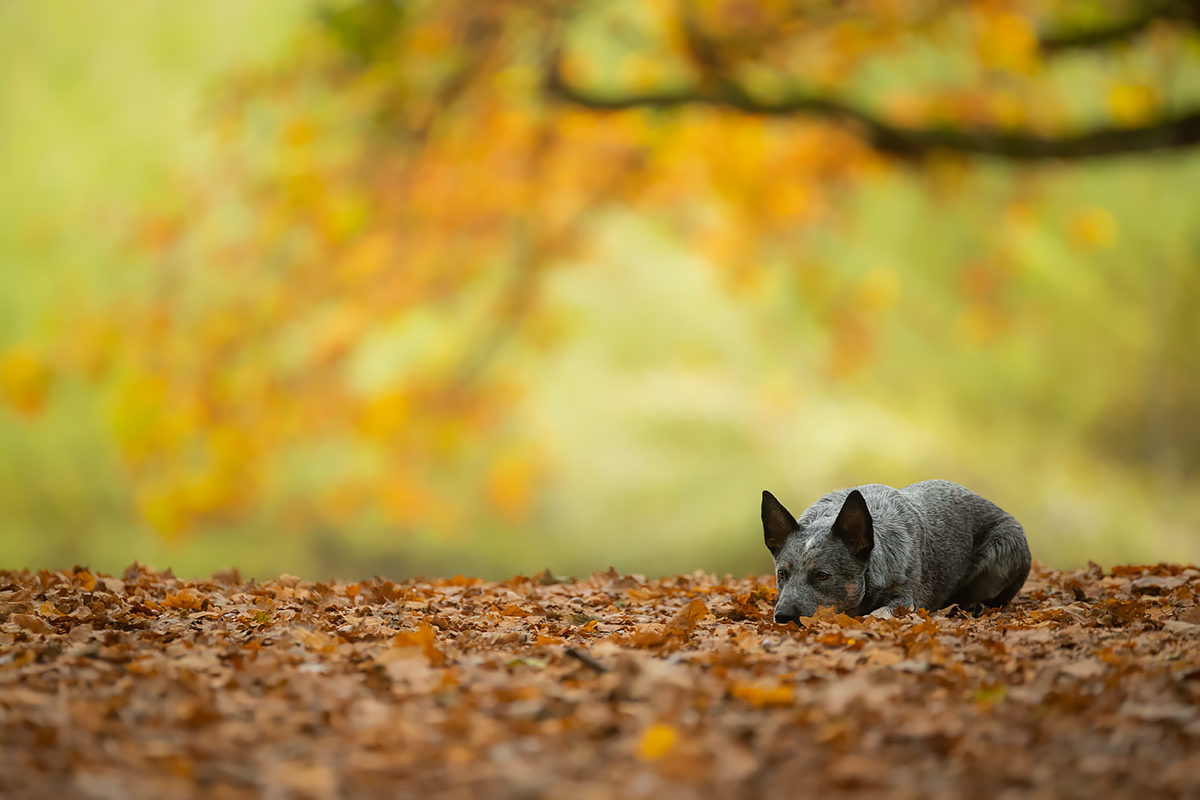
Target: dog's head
column 823, row 562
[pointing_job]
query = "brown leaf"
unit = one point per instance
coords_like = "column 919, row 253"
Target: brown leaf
column 423, row 638
column 685, row 620
column 1085, row 669
column 184, row 599
column 1159, row 712
column 512, row 610
column 30, row 623
column 1154, row 584
column 1191, row 615
column 497, row 704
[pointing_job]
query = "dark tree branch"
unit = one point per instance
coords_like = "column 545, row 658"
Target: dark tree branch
column 1184, row 11
column 1176, row 132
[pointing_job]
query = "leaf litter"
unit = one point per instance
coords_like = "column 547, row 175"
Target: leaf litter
column 146, row 685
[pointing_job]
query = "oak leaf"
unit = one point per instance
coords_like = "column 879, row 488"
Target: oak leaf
column 686, row 619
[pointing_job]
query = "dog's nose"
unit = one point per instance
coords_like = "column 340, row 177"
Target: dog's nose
column 783, row 618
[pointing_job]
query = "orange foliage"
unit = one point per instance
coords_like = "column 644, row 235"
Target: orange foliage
column 353, row 281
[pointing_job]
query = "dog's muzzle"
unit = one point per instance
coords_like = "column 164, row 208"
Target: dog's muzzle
column 785, row 615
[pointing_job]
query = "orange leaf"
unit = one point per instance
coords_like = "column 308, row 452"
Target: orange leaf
column 24, row 379
column 512, row 610
column 424, row 638
column 184, row 599
column 49, row 610
column 764, row 694
column 656, row 741
column 684, row 622
column 87, row 581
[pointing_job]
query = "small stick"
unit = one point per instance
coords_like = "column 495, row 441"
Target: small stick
column 583, row 657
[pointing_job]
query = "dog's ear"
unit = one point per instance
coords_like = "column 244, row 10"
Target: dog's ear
column 854, row 527
column 778, row 523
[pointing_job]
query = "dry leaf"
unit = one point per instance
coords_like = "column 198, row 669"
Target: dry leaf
column 321, row 690
column 685, row 620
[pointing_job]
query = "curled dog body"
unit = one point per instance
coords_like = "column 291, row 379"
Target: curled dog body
column 872, row 548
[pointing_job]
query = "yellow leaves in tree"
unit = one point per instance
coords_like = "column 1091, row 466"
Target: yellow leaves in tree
column 24, row 380
column 299, row 133
column 510, row 486
column 1132, row 104
column 1004, row 39
column 406, row 498
column 1093, row 227
column 852, row 345
column 640, row 72
column 384, row 415
column 879, row 289
column 978, row 324
column 136, row 416
column 386, row 221
column 434, row 39
column 342, row 215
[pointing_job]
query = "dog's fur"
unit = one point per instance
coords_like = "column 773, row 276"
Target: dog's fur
column 871, row 549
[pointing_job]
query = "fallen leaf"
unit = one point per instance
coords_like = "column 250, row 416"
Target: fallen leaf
column 685, row 620
column 656, row 741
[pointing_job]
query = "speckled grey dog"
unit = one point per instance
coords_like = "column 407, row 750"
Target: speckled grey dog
column 870, row 549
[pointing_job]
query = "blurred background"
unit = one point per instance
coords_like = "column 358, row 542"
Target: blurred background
column 381, row 287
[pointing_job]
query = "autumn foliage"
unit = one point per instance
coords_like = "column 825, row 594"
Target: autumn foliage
column 146, row 685
column 329, row 301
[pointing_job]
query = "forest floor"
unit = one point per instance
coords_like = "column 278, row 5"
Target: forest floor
column 145, row 685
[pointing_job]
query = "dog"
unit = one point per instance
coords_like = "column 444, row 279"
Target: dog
column 872, row 549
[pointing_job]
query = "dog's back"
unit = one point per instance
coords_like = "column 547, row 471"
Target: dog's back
column 963, row 536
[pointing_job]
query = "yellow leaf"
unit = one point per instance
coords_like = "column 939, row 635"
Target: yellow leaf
column 977, row 324
column 640, row 72
column 1094, row 227
column 880, row 288
column 299, row 133
column 510, row 487
column 164, row 509
column 1005, row 41
column 24, row 379
column 656, row 741
column 1132, row 104
column 764, row 694
column 49, row 610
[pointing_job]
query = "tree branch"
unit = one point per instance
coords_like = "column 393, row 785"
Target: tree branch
column 1176, row 132
column 1184, row 11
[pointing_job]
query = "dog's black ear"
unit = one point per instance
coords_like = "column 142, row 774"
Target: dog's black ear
column 778, row 523
column 854, row 526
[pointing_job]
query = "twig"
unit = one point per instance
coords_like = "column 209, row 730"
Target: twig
column 585, row 658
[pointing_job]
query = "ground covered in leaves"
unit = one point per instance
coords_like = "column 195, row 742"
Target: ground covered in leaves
column 145, row 685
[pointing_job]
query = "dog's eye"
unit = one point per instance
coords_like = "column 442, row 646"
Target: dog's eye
column 822, row 576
